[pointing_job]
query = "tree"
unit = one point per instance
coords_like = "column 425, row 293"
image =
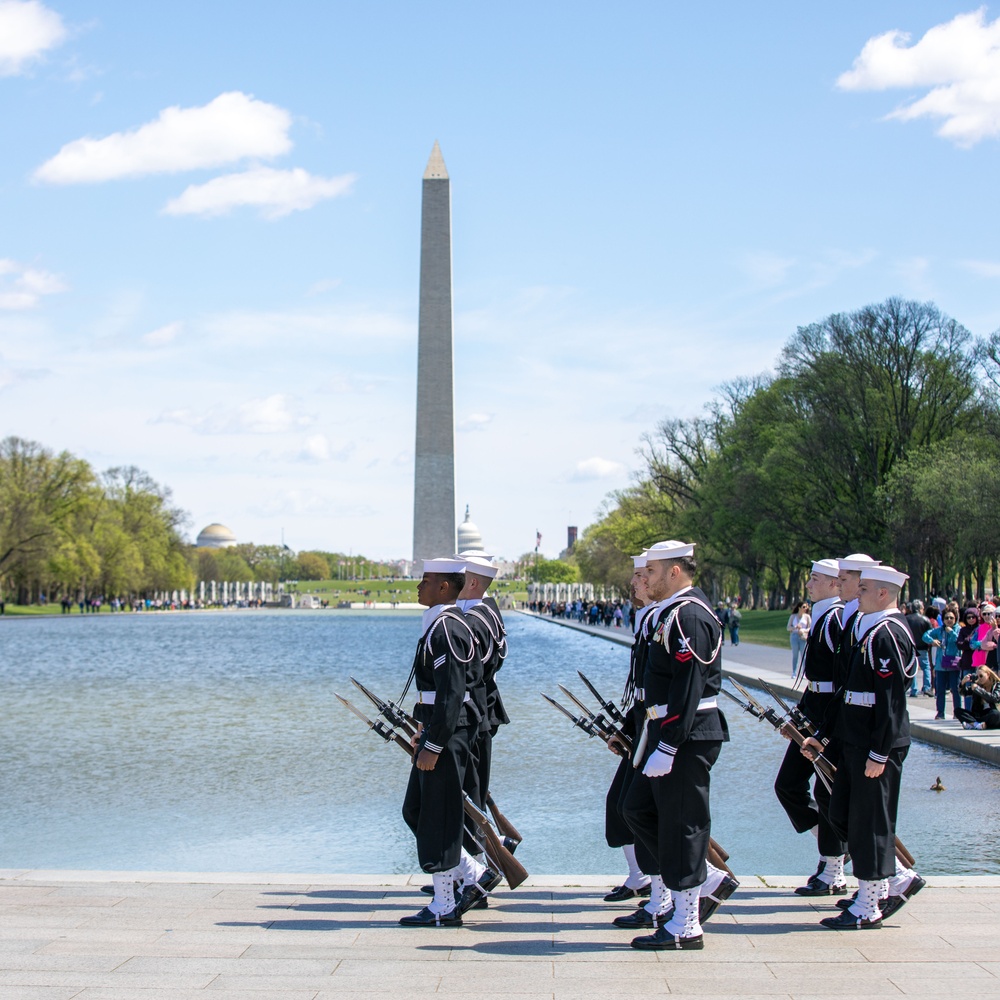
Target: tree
column 552, row 571
column 312, row 566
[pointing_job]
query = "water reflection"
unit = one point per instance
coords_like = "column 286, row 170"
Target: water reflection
column 213, row 742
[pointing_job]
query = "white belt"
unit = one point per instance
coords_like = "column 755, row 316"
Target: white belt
column 864, row 698
column 659, row 711
column 821, row 687
column 427, row 697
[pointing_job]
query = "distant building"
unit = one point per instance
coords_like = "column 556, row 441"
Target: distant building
column 570, row 537
column 215, row 536
column 469, row 539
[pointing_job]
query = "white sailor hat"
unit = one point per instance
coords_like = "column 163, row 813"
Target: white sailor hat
column 446, row 564
column 670, row 550
column 826, row 567
column 858, row 561
column 884, row 574
column 639, row 561
column 479, row 565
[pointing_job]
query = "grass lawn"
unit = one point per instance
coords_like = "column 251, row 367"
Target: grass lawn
column 404, row 591
column 765, row 627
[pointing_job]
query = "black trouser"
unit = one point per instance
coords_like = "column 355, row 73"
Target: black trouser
column 863, row 811
column 991, row 717
column 433, row 806
column 616, row 831
column 477, row 781
column 671, row 818
column 792, row 788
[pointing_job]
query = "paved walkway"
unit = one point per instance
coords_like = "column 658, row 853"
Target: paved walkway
column 142, row 936
column 748, row 662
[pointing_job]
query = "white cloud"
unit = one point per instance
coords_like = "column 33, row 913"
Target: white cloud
column 275, row 192
column 475, row 422
column 27, row 31
column 596, row 468
column 9, row 377
column 983, row 268
column 300, row 502
column 230, row 128
column 767, row 269
column 163, row 335
column 22, row 287
column 958, row 60
column 270, row 415
column 316, row 448
column 325, row 285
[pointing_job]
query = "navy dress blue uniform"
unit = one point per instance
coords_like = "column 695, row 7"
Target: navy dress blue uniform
column 446, row 671
column 805, row 807
column 486, row 623
column 671, row 815
column 872, row 723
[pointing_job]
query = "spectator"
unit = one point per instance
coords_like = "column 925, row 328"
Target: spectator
column 799, row 623
column 735, row 617
column 984, row 688
column 945, row 639
column 919, row 624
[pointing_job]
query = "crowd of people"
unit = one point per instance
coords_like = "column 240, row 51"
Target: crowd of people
column 956, row 652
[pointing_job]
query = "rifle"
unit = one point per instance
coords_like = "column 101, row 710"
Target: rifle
column 824, row 768
column 610, row 707
column 400, row 719
column 513, row 871
column 794, row 713
column 717, row 854
column 588, row 727
column 605, row 728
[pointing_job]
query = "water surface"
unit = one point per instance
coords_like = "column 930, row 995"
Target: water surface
column 213, row 742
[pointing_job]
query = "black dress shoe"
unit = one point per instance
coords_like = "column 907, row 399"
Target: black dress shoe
column 843, row 904
column 893, row 903
column 622, row 892
column 663, row 940
column 710, row 902
column 637, row 921
column 817, row 887
column 427, row 918
column 474, row 894
column 847, row 921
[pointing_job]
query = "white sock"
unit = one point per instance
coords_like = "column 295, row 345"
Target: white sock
column 469, row 868
column 900, row 879
column 659, row 897
column 714, row 880
column 866, row 905
column 883, row 889
column 833, row 869
column 636, row 877
column 684, row 922
column 444, row 891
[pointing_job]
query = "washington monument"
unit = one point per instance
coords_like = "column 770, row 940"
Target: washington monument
column 434, row 473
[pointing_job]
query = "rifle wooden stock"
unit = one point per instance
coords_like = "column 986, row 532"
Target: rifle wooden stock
column 504, row 825
column 718, row 857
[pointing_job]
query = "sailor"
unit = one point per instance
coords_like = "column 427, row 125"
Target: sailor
column 873, row 729
column 483, row 616
column 446, row 657
column 807, row 808
column 616, row 831
column 667, row 804
column 849, row 576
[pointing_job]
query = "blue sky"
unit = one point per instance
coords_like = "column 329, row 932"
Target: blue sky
column 209, row 245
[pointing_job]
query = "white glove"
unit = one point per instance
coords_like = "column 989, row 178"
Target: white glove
column 658, row 765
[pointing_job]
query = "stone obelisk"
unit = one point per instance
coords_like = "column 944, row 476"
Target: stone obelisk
column 434, row 472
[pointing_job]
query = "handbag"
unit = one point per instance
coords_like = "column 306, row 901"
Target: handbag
column 949, row 662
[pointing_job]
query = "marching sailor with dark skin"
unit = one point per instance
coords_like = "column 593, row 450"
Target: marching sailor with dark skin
column 667, row 804
column 807, row 808
column 446, row 669
column 871, row 721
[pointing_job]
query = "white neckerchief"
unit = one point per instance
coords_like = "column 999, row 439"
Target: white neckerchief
column 867, row 622
column 468, row 602
column 849, row 608
column 431, row 615
column 640, row 617
column 820, row 608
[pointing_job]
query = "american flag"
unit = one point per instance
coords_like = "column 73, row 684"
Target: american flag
column 538, row 539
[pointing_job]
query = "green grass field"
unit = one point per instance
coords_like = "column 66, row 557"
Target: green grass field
column 765, row 627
